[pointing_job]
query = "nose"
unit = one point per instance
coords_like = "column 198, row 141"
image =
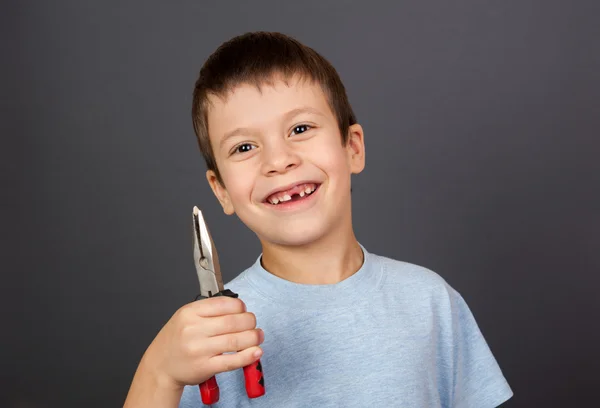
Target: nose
column 279, row 158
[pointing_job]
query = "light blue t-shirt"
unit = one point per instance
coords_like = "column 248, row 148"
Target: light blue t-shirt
column 392, row 335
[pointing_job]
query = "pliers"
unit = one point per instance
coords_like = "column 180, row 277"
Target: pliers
column 206, row 261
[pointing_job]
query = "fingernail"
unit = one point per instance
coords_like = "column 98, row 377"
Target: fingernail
column 258, row 353
column 262, row 335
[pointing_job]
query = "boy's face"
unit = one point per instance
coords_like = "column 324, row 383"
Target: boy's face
column 275, row 145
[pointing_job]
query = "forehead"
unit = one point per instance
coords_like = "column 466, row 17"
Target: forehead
column 252, row 106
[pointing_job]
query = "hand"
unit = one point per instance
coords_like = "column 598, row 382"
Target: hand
column 189, row 348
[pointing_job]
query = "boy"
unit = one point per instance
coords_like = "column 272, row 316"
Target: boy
column 339, row 326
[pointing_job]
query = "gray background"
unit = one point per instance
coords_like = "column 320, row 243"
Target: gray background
column 482, row 125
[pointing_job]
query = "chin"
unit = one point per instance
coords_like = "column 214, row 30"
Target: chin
column 295, row 235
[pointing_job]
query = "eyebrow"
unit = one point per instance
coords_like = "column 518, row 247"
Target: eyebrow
column 286, row 116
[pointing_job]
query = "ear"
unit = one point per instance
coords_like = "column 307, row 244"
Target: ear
column 355, row 148
column 220, row 192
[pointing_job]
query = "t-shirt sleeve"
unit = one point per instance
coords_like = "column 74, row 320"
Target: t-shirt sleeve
column 478, row 380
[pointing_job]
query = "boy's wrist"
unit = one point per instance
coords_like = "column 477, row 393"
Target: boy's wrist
column 160, row 380
column 152, row 389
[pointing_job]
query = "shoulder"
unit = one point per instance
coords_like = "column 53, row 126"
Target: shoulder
column 246, row 289
column 241, row 284
column 420, row 290
column 411, row 277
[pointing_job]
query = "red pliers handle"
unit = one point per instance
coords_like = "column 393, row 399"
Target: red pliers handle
column 253, row 375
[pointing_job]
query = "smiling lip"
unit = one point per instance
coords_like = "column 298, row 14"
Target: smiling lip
column 293, row 206
column 288, row 187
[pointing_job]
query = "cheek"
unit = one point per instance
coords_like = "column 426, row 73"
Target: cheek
column 332, row 158
column 239, row 183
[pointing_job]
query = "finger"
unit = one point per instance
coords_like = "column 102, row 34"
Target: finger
column 230, row 362
column 231, row 323
column 217, row 306
column 231, row 342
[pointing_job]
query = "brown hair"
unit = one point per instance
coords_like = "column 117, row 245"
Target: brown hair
column 254, row 58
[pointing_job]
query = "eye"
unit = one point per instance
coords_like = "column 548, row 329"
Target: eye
column 243, row 148
column 300, row 129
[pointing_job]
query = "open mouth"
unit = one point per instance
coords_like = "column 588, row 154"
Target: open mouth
column 299, row 192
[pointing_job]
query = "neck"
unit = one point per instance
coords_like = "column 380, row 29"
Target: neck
column 328, row 261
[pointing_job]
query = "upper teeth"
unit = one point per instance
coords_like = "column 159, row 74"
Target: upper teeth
column 274, row 199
